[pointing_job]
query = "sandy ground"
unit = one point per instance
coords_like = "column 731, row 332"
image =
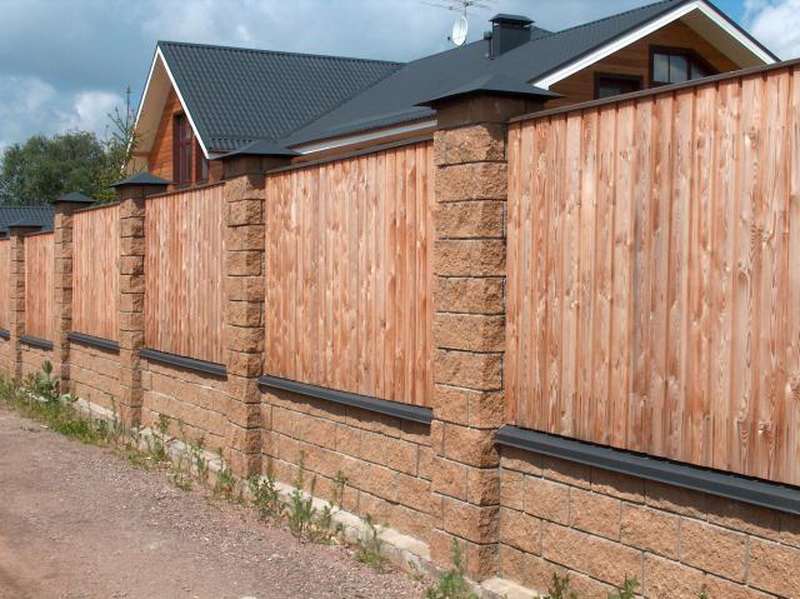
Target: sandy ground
column 78, row 521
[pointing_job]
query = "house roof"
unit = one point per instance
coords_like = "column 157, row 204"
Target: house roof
column 394, row 99
column 236, row 95
column 35, row 216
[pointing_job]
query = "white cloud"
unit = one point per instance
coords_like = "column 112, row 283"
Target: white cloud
column 89, row 112
column 777, row 24
column 29, row 105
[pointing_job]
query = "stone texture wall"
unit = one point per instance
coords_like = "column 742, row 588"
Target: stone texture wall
column 197, row 400
column 387, row 462
column 33, row 358
column 94, row 375
column 599, row 527
column 6, row 356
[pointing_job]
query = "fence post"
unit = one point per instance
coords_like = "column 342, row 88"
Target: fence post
column 469, row 320
column 16, row 234
column 65, row 207
column 245, row 243
column 131, row 194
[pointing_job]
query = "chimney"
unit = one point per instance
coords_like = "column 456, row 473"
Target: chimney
column 508, row 32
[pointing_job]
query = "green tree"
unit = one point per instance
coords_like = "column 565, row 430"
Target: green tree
column 41, row 169
column 44, row 168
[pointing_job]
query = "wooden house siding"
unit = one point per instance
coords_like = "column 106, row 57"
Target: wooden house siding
column 95, row 274
column 40, row 286
column 654, row 302
column 634, row 60
column 184, row 286
column 348, row 286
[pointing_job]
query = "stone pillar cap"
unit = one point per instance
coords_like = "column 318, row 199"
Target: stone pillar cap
column 74, row 198
column 141, row 180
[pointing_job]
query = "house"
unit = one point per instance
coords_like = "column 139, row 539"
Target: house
column 201, row 102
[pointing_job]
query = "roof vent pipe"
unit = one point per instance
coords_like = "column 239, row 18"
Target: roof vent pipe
column 508, row 32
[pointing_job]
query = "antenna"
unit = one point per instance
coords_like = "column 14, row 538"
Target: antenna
column 461, row 27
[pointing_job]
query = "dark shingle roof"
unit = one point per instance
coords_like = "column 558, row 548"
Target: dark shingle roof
column 39, row 216
column 393, row 99
column 237, row 95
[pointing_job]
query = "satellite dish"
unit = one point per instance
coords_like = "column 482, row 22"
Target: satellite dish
column 460, row 30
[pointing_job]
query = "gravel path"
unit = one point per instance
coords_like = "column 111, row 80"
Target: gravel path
column 77, row 521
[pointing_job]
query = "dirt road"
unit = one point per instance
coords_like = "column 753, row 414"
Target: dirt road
column 77, row 521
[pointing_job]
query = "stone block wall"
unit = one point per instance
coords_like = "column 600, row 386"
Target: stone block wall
column 6, row 356
column 387, row 462
column 519, row 516
column 94, row 375
column 599, row 527
column 196, row 400
column 33, row 359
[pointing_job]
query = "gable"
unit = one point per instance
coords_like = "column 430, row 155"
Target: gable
column 635, row 61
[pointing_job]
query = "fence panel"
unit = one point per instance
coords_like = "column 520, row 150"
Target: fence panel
column 5, row 283
column 95, row 295
column 39, row 285
column 349, row 295
column 185, row 250
column 654, row 274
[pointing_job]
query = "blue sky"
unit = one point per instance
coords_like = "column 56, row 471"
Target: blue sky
column 65, row 64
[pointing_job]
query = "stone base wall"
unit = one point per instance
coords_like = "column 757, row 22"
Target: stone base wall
column 33, row 358
column 196, row 400
column 94, row 375
column 600, row 528
column 386, row 462
column 6, row 356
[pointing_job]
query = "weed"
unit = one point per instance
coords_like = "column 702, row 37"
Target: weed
column 197, row 452
column 37, row 398
column 266, row 497
column 370, row 545
column 180, row 472
column 300, row 511
column 627, row 591
column 454, row 584
column 225, row 484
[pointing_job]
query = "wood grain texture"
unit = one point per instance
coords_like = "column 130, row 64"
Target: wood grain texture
column 5, row 284
column 634, row 60
column 184, row 283
column 349, row 280
column 654, row 278
column 40, row 286
column 95, row 272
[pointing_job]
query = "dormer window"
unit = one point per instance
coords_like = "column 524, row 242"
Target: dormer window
column 184, row 141
column 676, row 65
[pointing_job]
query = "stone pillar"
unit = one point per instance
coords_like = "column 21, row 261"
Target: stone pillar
column 65, row 207
column 469, row 324
column 131, row 195
column 245, row 242
column 16, row 234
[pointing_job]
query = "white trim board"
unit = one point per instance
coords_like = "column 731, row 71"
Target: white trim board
column 159, row 57
column 651, row 27
column 332, row 144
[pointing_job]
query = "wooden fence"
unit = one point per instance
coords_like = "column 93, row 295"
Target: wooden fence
column 5, row 284
column 654, row 274
column 95, row 301
column 184, row 291
column 39, row 286
column 348, row 286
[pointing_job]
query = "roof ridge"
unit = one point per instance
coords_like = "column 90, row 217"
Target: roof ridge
column 614, row 16
column 278, row 52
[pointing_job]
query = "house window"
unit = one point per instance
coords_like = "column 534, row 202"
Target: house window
column 676, row 65
column 606, row 86
column 184, row 140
